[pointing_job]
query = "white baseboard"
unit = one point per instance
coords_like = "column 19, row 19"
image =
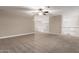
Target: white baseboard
column 35, row 32
column 71, row 35
column 49, row 33
column 16, row 35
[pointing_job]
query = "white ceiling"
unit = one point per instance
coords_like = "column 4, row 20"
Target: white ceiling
column 60, row 9
column 28, row 8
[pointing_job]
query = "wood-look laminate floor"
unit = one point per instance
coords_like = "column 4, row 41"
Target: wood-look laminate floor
column 40, row 43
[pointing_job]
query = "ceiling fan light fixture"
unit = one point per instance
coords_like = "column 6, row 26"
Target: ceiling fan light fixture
column 40, row 13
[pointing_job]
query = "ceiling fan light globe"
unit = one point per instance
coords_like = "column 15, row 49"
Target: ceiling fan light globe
column 40, row 13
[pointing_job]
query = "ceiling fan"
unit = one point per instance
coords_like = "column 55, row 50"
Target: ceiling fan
column 43, row 10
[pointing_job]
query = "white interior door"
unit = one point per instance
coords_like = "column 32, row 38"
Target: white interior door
column 55, row 23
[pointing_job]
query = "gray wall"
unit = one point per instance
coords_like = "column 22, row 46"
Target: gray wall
column 14, row 23
column 41, row 23
column 70, row 23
